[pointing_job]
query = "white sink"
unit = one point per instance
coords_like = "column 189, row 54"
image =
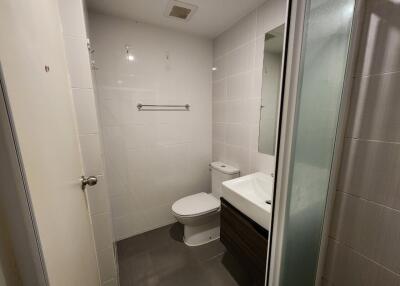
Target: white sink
column 249, row 194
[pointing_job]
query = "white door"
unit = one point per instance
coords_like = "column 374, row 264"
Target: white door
column 33, row 59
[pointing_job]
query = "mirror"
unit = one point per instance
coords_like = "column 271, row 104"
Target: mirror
column 271, row 81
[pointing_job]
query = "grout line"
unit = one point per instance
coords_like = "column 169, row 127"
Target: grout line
column 213, row 257
column 157, row 146
column 88, row 134
column 376, row 74
column 229, row 122
column 101, row 213
column 235, row 146
column 362, row 255
column 372, row 140
column 110, row 280
column 111, row 87
column 230, row 99
column 235, row 49
column 82, row 88
column 369, row 201
column 226, row 77
column 74, row 37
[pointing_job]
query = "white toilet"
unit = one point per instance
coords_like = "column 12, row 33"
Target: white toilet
column 199, row 213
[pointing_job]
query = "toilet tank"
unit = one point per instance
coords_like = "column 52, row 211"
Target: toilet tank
column 221, row 172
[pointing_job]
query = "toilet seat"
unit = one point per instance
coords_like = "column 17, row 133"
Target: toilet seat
column 195, row 205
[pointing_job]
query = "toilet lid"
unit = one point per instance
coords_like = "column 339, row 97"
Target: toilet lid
column 196, row 205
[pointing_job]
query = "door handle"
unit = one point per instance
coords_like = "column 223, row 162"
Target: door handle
column 88, row 181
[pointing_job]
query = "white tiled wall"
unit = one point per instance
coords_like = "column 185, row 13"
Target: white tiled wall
column 364, row 237
column 238, row 57
column 74, row 30
column 152, row 158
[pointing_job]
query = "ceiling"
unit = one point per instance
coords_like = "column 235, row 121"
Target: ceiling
column 210, row 19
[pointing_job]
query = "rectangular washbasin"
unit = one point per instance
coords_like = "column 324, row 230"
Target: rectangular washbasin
column 250, row 194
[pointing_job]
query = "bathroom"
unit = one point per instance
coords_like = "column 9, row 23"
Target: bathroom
column 191, row 142
column 163, row 162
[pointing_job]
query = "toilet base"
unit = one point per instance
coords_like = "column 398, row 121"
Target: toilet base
column 201, row 234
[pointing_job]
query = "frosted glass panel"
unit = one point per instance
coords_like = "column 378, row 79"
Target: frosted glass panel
column 324, row 54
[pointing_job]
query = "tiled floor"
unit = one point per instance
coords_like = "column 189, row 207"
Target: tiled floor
column 159, row 257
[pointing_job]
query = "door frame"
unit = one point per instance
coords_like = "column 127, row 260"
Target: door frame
column 294, row 36
column 33, row 268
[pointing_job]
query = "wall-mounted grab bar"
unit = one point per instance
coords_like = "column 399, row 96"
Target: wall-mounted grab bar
column 162, row 107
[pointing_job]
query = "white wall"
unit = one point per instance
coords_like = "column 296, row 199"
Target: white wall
column 153, row 158
column 75, row 38
column 238, row 56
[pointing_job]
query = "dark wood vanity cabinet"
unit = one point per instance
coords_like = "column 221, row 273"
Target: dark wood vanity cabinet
column 245, row 240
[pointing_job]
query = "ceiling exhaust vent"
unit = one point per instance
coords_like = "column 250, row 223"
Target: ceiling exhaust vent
column 180, row 10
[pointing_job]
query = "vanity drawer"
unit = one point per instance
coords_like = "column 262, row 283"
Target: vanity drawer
column 245, row 240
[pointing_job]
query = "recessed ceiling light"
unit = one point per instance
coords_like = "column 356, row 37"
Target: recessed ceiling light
column 214, row 68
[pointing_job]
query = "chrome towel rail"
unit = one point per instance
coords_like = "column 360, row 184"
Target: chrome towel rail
column 162, row 107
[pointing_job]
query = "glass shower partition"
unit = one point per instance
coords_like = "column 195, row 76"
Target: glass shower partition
column 325, row 46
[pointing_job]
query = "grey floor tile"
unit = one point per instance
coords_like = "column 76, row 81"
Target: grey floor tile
column 141, row 267
column 193, row 275
column 208, row 251
column 217, row 273
column 169, row 257
column 235, row 269
column 160, row 257
column 152, row 280
column 131, row 246
column 125, row 277
column 158, row 237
